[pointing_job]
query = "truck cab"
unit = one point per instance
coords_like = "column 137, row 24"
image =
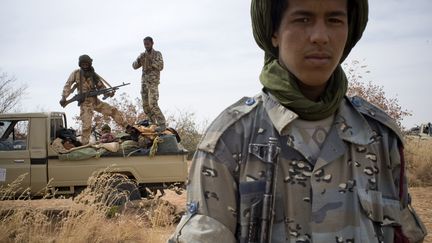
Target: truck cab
column 25, row 140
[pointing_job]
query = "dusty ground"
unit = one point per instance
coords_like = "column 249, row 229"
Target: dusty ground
column 422, row 202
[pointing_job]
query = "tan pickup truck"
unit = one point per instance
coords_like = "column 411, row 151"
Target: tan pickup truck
column 25, row 149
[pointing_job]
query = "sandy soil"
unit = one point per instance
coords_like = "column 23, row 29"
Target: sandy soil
column 422, row 203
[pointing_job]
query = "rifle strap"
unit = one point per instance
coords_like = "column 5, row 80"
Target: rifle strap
column 105, row 82
column 80, row 74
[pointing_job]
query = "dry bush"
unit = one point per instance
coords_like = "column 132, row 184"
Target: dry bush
column 189, row 130
column 14, row 190
column 357, row 74
column 418, row 157
column 89, row 217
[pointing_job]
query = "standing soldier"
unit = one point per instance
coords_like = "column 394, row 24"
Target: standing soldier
column 339, row 172
column 152, row 63
column 84, row 80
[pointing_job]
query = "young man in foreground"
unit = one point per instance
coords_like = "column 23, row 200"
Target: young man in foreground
column 338, row 172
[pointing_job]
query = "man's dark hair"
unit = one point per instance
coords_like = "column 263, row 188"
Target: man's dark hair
column 148, row 38
column 277, row 9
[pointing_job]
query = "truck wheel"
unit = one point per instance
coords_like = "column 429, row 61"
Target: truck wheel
column 119, row 190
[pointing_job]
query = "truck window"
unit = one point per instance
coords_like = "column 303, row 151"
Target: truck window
column 13, row 135
column 426, row 129
column 56, row 124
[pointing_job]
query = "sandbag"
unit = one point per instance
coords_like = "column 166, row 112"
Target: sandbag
column 129, row 145
column 81, row 154
column 168, row 143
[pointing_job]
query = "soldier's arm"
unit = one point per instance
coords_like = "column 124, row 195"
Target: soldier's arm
column 137, row 63
column 412, row 228
column 211, row 205
column 69, row 86
column 158, row 62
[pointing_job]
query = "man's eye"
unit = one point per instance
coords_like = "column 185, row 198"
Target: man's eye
column 302, row 20
column 336, row 21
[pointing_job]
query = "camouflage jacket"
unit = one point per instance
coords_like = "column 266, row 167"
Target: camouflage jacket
column 77, row 81
column 151, row 63
column 353, row 192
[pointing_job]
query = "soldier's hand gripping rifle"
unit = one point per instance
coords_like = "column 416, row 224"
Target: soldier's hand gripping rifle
column 81, row 97
column 261, row 216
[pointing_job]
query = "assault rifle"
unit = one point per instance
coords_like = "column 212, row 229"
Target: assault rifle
column 81, row 97
column 261, row 215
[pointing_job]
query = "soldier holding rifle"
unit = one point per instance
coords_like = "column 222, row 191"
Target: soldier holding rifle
column 88, row 82
column 339, row 175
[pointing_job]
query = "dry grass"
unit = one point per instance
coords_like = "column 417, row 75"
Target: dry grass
column 89, row 217
column 418, row 157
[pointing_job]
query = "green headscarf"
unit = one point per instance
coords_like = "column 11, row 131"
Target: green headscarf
column 282, row 84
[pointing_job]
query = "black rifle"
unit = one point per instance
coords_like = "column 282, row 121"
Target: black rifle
column 81, row 97
column 262, row 211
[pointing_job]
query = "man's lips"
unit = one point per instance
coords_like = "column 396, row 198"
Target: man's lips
column 318, row 58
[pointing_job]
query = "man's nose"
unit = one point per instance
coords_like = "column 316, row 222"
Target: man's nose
column 319, row 33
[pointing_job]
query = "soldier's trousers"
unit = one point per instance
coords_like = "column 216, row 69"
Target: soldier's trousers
column 150, row 97
column 87, row 109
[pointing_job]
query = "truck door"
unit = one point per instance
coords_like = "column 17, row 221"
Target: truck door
column 14, row 152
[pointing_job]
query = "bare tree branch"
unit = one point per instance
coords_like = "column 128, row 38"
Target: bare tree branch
column 10, row 92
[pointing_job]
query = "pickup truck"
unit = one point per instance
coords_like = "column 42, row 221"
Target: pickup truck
column 25, row 140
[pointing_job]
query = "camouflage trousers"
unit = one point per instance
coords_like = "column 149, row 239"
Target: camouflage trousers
column 87, row 109
column 150, row 97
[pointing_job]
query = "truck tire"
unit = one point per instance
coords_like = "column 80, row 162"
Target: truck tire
column 120, row 190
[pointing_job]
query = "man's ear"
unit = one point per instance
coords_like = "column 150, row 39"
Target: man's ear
column 275, row 40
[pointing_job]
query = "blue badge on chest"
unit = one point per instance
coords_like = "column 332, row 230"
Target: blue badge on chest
column 192, row 208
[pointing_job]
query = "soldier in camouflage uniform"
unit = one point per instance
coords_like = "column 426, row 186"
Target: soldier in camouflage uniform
column 152, row 64
column 84, row 80
column 340, row 171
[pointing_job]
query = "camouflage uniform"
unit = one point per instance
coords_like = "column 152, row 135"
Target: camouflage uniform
column 90, row 104
column 152, row 65
column 343, row 196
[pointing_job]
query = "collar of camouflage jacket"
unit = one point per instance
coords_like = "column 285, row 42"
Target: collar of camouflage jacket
column 350, row 124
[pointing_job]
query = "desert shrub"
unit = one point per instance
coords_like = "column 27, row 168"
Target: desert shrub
column 418, row 158
column 189, row 130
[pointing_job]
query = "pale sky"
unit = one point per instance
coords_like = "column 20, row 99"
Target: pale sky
column 211, row 59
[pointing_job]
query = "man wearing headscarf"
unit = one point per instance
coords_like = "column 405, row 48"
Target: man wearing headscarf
column 85, row 79
column 333, row 165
